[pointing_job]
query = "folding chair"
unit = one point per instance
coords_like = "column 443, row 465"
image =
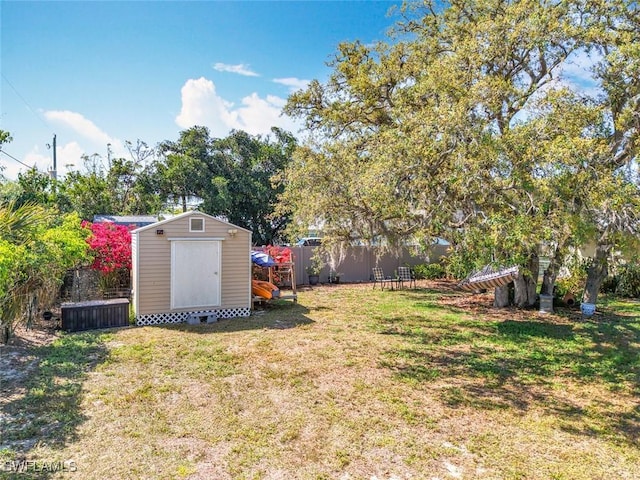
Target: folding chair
column 378, row 277
column 406, row 275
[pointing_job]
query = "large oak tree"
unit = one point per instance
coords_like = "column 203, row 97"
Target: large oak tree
column 458, row 127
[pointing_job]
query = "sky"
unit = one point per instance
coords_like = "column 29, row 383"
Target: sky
column 102, row 73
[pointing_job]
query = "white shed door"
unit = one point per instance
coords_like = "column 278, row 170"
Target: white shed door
column 195, row 273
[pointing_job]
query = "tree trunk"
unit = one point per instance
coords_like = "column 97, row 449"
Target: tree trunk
column 532, row 287
column 526, row 284
column 520, row 291
column 551, row 273
column 501, row 297
column 4, row 334
column 598, row 271
column 184, row 203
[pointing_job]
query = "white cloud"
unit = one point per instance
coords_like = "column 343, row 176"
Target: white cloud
column 258, row 115
column 85, row 127
column 293, row 83
column 277, row 101
column 201, row 105
column 240, row 69
column 580, row 63
column 67, row 158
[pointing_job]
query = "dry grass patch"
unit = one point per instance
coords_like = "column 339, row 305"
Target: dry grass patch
column 350, row 383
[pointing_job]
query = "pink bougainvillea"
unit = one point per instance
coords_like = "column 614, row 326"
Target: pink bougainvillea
column 111, row 246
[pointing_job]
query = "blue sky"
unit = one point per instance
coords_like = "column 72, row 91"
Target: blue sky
column 98, row 73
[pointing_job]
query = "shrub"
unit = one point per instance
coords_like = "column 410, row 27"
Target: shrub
column 574, row 281
column 111, row 247
column 629, row 280
column 429, row 271
column 610, row 284
column 34, row 255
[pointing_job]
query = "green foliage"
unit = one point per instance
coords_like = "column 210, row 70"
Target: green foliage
column 35, row 188
column 237, row 177
column 11, row 257
column 36, row 249
column 252, row 186
column 457, row 128
column 317, row 264
column 66, row 243
column 429, row 271
column 609, row 285
column 576, row 277
column 5, row 137
column 89, row 194
column 628, row 284
column 125, row 188
column 19, row 224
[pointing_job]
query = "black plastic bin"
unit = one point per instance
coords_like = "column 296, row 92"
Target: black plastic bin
column 95, row 314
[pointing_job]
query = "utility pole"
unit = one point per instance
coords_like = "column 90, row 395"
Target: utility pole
column 53, row 173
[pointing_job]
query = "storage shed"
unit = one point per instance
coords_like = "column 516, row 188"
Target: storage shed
column 190, row 266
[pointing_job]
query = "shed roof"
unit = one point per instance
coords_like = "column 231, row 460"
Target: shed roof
column 137, row 220
column 187, row 214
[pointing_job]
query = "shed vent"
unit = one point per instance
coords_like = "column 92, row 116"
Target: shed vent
column 196, row 224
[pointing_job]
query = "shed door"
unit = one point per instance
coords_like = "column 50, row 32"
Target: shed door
column 195, row 273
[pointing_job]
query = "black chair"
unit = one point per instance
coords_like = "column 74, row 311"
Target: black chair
column 379, row 277
column 406, row 275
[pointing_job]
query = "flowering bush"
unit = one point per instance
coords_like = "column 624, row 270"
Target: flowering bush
column 111, row 247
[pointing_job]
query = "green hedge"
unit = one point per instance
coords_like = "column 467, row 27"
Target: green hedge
column 429, row 271
column 628, row 280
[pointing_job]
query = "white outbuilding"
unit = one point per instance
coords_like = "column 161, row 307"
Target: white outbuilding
column 191, row 266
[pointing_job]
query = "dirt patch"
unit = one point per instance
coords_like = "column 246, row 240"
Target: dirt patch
column 42, row 332
column 482, row 304
column 18, row 361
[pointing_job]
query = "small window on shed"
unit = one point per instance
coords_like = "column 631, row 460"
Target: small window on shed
column 196, row 224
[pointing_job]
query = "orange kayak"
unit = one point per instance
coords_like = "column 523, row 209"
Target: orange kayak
column 264, row 289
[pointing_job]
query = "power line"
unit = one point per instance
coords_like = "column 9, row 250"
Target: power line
column 25, row 102
column 14, row 158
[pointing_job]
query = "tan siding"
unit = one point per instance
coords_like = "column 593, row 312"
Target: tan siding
column 154, row 261
column 236, row 261
column 134, row 280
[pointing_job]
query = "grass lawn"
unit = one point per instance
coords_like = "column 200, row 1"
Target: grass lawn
column 349, row 383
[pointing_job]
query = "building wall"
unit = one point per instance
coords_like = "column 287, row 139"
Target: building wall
column 152, row 283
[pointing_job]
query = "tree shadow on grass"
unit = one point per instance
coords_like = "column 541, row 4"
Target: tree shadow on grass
column 520, row 364
column 43, row 405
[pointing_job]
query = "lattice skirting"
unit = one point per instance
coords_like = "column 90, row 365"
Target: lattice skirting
column 179, row 317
